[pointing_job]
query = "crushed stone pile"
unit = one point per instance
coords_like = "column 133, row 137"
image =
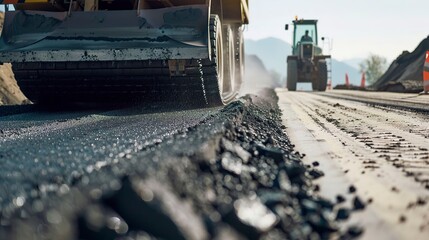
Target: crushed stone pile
column 233, row 176
column 405, row 74
column 10, row 94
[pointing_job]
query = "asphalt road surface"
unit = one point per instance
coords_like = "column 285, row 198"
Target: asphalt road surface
column 376, row 142
column 49, row 147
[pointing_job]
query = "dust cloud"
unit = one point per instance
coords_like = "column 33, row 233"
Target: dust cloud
column 257, row 77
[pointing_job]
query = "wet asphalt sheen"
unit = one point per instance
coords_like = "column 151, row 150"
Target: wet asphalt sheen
column 39, row 148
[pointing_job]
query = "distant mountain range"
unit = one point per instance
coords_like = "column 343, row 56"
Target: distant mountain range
column 353, row 62
column 273, row 53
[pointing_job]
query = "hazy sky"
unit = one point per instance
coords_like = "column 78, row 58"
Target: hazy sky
column 357, row 27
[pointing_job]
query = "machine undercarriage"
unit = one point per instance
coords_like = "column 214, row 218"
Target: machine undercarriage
column 188, row 51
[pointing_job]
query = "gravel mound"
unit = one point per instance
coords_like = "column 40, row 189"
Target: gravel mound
column 233, row 176
column 405, row 74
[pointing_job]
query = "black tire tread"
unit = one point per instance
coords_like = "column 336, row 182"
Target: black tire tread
column 292, row 75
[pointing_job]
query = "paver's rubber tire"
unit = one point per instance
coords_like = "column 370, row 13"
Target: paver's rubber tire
column 315, row 83
column 322, row 76
column 239, row 56
column 292, row 74
column 229, row 86
column 213, row 87
column 220, row 88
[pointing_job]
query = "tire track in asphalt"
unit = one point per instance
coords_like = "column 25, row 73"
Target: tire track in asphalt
column 384, row 159
column 397, row 136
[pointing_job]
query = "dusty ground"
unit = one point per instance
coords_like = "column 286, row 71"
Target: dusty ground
column 9, row 90
column 375, row 142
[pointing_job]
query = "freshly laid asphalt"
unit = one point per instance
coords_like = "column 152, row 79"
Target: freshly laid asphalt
column 50, row 147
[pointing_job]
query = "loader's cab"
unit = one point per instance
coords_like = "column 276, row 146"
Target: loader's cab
column 301, row 27
column 307, row 62
column 305, row 39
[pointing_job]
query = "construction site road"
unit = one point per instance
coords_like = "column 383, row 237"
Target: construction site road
column 370, row 144
column 158, row 173
column 279, row 165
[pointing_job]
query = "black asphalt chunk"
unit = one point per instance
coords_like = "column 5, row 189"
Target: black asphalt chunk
column 358, row 204
column 342, row 214
column 315, row 173
column 353, row 232
column 340, row 199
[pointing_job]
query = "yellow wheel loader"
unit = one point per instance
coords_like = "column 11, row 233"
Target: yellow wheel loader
column 108, row 50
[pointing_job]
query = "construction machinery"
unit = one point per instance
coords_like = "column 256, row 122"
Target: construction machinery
column 106, row 50
column 307, row 62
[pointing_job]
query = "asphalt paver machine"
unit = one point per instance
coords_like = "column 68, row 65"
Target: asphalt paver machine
column 85, row 50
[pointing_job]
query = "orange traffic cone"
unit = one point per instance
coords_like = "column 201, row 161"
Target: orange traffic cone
column 426, row 74
column 329, row 86
column 347, row 81
column 363, row 80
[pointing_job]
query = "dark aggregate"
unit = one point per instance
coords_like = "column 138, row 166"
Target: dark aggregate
column 353, row 232
column 315, row 173
column 343, row 214
column 358, row 204
column 340, row 199
column 234, row 175
column 352, row 189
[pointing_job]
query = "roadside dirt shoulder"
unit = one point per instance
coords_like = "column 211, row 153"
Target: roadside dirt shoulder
column 10, row 94
column 380, row 152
